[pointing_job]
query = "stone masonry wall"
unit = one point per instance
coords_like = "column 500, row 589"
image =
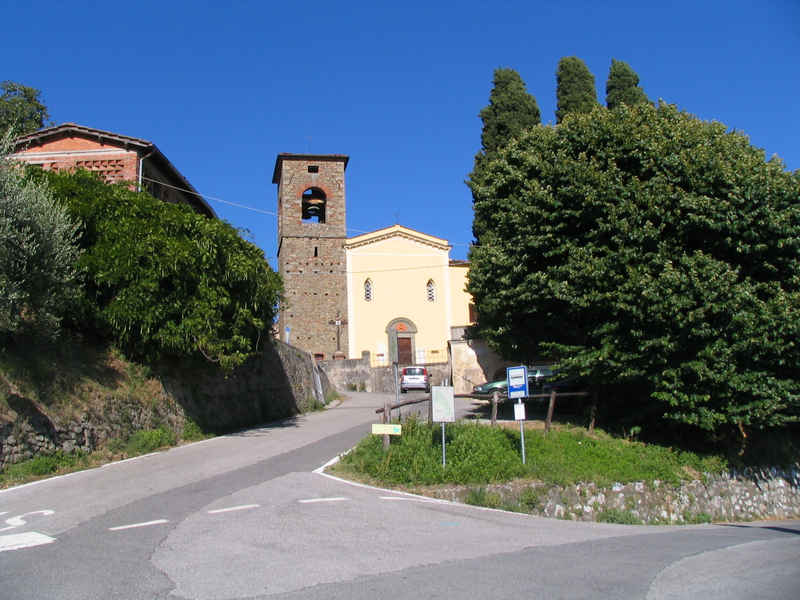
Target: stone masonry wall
column 282, row 382
column 736, row 496
column 357, row 374
column 311, row 256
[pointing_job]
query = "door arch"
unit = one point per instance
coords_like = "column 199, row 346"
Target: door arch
column 401, row 332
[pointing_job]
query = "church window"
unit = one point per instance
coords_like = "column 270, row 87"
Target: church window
column 368, row 290
column 431, row 290
column 313, row 207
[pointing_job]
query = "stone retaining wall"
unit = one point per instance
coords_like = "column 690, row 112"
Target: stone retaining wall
column 356, row 374
column 281, row 382
column 736, row 496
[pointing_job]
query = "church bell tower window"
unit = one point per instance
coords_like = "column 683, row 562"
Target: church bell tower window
column 313, row 207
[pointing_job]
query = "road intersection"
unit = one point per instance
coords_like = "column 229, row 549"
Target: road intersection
column 250, row 515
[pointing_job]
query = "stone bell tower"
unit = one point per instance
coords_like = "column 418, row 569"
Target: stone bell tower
column 311, row 258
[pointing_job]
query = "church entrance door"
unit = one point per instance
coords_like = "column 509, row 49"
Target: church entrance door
column 404, row 355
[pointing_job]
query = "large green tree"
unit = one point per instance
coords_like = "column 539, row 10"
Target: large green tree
column 21, row 107
column 511, row 110
column 575, row 89
column 162, row 281
column 38, row 252
column 652, row 253
column 622, row 86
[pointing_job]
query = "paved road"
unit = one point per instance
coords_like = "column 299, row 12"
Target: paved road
column 246, row 516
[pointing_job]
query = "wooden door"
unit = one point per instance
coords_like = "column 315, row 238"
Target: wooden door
column 404, row 351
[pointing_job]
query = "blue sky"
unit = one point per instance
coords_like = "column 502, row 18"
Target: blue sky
column 222, row 88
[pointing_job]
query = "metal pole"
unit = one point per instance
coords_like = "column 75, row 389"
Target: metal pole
column 522, row 434
column 444, row 452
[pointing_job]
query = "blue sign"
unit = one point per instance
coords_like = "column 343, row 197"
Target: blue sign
column 517, row 382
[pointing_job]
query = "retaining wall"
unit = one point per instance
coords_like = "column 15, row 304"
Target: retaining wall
column 281, row 382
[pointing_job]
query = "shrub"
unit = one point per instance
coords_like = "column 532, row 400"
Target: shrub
column 615, row 515
column 148, row 440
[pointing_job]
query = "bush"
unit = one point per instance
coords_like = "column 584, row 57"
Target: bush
column 615, row 515
column 149, row 440
column 163, row 281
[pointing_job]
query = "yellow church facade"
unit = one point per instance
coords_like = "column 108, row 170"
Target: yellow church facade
column 405, row 297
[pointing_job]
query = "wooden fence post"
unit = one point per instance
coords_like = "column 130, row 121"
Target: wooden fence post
column 550, row 408
column 593, row 414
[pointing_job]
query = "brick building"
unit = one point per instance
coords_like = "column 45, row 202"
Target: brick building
column 113, row 156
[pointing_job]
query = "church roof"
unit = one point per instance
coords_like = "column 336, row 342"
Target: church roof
column 397, row 231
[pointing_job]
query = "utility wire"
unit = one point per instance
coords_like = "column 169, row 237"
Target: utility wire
column 253, row 209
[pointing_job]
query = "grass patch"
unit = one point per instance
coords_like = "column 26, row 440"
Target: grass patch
column 44, row 465
column 615, row 515
column 477, row 454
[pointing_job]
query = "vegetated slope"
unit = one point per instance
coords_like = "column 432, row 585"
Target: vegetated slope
column 72, row 394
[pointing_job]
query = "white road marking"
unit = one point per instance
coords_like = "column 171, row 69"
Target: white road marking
column 233, row 508
column 18, row 541
column 428, row 500
column 137, row 525
column 15, row 522
column 312, row 500
column 5, row 512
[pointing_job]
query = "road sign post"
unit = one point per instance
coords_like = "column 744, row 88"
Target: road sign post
column 444, row 411
column 518, row 388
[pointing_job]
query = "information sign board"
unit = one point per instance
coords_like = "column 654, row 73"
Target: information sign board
column 517, row 382
column 386, row 429
column 444, row 410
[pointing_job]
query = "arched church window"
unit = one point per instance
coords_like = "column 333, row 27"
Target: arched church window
column 313, row 206
column 368, row 290
column 431, row 290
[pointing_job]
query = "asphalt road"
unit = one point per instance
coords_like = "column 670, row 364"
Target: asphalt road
column 249, row 516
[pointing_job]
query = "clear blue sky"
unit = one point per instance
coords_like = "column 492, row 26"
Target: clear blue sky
column 223, row 87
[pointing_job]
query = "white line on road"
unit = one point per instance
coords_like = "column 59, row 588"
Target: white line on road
column 233, row 508
column 18, row 541
column 428, row 500
column 136, row 525
column 312, row 500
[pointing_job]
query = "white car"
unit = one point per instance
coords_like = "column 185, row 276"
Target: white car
column 414, row 378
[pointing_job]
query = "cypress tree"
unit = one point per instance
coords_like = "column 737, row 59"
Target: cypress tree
column 622, row 86
column 575, row 90
column 511, row 110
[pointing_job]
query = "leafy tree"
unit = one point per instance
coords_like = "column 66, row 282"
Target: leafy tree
column 38, row 252
column 163, row 281
column 654, row 254
column 21, row 108
column 511, row 110
column 622, row 86
column 575, row 89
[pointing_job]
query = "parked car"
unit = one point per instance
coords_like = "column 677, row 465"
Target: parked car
column 501, row 385
column 536, row 376
column 414, row 378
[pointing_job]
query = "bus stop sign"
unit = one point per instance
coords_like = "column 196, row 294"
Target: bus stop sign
column 517, row 382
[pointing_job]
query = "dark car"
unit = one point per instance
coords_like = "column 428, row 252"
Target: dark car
column 536, row 376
